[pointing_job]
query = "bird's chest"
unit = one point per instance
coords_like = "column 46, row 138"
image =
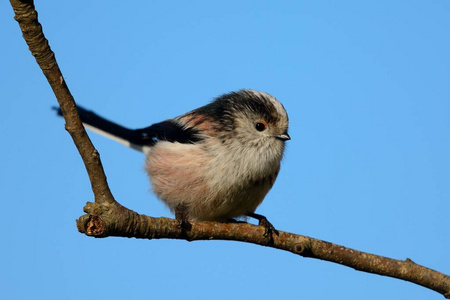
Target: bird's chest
column 242, row 168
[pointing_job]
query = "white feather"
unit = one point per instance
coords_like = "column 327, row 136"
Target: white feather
column 143, row 149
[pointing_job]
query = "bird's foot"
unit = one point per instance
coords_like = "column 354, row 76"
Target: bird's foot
column 181, row 217
column 269, row 228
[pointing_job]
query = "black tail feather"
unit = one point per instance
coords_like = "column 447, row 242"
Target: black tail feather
column 168, row 130
column 90, row 118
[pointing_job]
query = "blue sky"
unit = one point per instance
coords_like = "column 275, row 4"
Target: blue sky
column 366, row 86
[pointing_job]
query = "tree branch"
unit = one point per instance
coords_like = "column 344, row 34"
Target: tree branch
column 32, row 32
column 106, row 217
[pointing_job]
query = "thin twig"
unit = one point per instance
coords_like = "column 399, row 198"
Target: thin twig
column 32, row 32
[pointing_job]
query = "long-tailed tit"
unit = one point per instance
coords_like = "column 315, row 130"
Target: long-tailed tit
column 214, row 163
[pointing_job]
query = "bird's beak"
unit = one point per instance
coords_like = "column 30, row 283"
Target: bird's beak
column 284, row 137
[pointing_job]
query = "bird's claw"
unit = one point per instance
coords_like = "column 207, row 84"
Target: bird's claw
column 182, row 219
column 269, row 228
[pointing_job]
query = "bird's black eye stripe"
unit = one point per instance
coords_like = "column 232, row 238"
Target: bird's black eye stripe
column 260, row 125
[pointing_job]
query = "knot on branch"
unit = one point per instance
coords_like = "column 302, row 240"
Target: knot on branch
column 93, row 224
column 112, row 219
column 303, row 249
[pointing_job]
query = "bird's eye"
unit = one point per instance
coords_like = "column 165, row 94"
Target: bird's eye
column 260, row 125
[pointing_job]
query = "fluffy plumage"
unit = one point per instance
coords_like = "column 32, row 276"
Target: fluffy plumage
column 217, row 161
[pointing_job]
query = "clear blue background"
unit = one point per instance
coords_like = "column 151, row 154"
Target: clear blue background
column 366, row 85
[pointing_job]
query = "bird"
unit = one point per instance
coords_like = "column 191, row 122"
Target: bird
column 214, row 163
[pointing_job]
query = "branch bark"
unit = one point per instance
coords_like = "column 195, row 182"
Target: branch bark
column 106, row 217
column 27, row 17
